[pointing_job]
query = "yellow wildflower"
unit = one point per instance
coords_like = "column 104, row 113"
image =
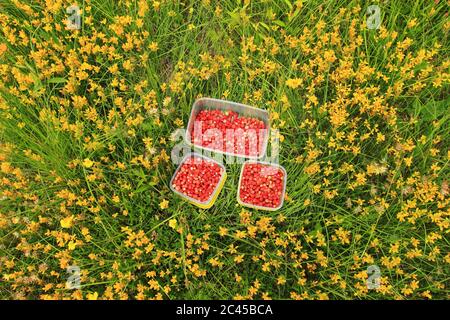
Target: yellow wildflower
column 173, row 223
column 164, row 204
column 92, row 296
column 67, row 222
column 294, row 83
column 87, row 163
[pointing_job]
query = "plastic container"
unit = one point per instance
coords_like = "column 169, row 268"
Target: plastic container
column 241, row 109
column 212, row 198
column 250, row 205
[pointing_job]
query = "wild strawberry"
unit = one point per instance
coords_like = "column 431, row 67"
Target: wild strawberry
column 197, row 178
column 261, row 185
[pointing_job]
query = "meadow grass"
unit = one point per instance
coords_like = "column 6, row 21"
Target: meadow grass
column 86, row 118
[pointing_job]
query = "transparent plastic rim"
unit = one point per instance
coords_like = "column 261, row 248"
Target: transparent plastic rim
column 256, row 206
column 195, row 154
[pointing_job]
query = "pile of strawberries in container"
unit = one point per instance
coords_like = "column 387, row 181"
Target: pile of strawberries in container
column 227, row 131
column 233, row 129
column 261, row 185
column 197, row 178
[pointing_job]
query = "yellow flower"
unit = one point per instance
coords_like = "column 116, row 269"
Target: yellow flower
column 360, row 178
column 115, row 199
column 71, row 245
column 223, row 231
column 408, row 161
column 164, row 204
column 5, row 167
column 87, row 163
column 153, row 46
column 294, row 83
column 92, row 296
column 239, row 258
column 281, row 280
column 67, row 222
column 3, row 48
column 173, row 223
column 412, row 23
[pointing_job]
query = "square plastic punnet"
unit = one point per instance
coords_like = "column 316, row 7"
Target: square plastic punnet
column 250, row 205
column 210, row 202
column 241, row 109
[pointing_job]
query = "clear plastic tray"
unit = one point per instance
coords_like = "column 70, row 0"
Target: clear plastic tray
column 242, row 109
column 262, row 207
column 210, row 202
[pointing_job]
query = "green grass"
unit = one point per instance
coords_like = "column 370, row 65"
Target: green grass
column 43, row 118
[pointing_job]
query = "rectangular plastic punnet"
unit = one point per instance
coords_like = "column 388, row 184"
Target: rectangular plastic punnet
column 241, row 109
